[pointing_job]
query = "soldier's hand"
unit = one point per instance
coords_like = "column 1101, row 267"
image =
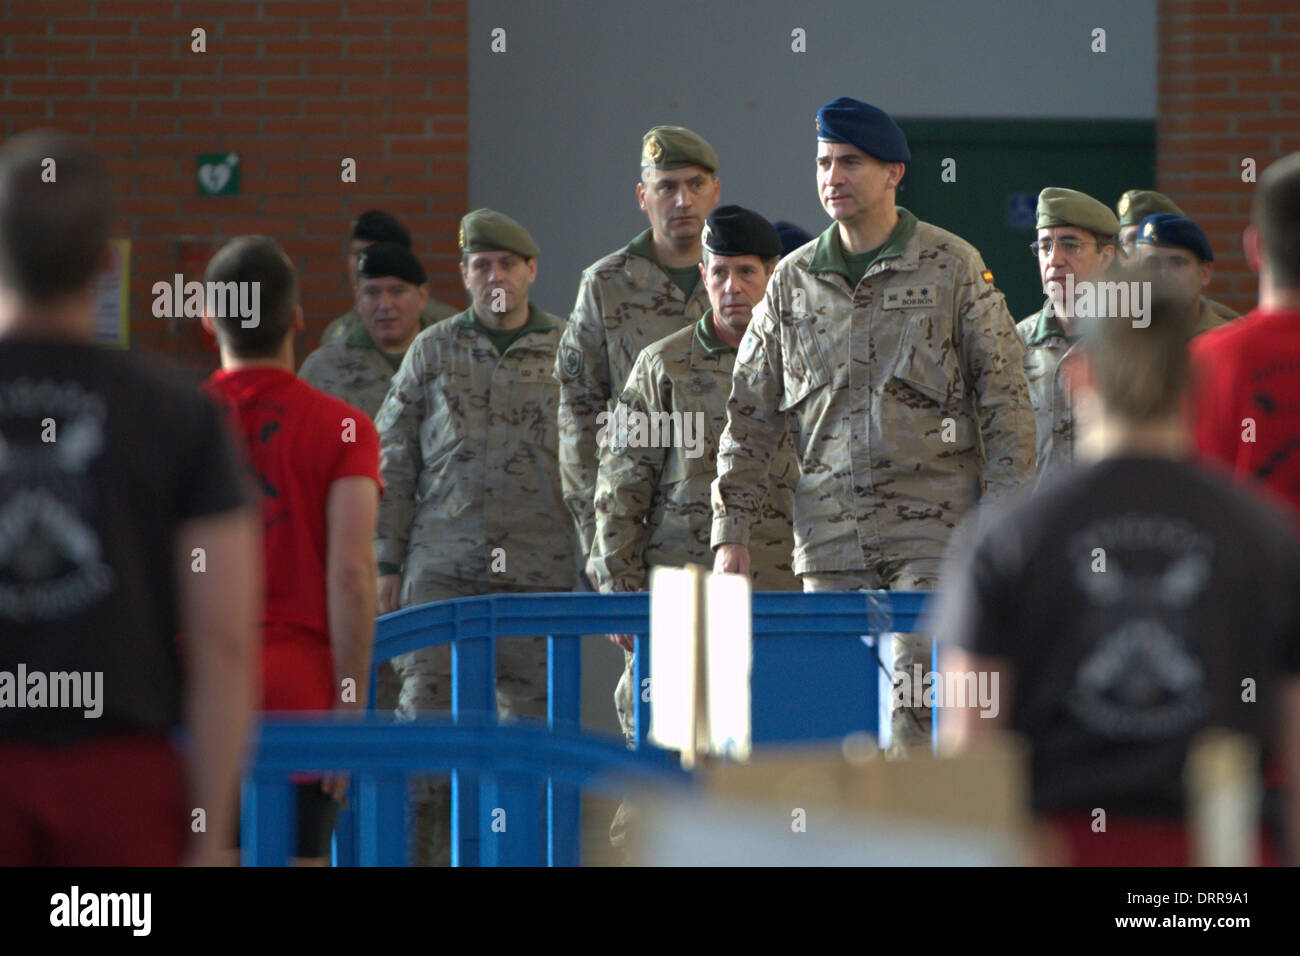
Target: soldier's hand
column 622, row 640
column 390, row 589
column 731, row 559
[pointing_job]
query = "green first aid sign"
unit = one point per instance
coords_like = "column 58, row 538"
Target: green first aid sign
column 218, row 174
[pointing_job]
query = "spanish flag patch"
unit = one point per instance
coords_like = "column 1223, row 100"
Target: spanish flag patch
column 986, row 275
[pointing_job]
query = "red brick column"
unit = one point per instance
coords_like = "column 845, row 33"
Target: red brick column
column 293, row 88
column 1228, row 89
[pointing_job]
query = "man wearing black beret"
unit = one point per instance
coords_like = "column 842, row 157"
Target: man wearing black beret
column 392, row 291
column 652, row 496
column 375, row 225
column 886, row 349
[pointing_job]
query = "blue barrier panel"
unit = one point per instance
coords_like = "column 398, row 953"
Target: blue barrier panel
column 511, row 762
column 822, row 669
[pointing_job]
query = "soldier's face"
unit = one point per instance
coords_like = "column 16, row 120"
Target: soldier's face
column 390, row 310
column 1183, row 274
column 1128, row 244
column 851, row 184
column 677, row 201
column 1084, row 261
column 735, row 284
column 498, row 281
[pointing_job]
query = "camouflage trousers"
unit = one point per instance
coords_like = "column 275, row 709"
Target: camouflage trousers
column 909, row 726
column 424, row 677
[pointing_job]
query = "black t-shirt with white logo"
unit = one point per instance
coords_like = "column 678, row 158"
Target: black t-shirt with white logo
column 103, row 456
column 1137, row 601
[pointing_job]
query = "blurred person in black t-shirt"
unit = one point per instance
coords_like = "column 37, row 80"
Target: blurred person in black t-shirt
column 130, row 558
column 1125, row 607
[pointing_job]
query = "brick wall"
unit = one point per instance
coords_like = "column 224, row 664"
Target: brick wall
column 293, row 88
column 1228, row 89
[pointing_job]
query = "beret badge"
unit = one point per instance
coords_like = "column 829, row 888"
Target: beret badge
column 654, row 150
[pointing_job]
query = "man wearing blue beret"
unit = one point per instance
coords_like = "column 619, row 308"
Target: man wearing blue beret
column 1180, row 250
column 886, row 349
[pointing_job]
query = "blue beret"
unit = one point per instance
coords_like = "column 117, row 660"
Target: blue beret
column 859, row 124
column 792, row 236
column 1166, row 229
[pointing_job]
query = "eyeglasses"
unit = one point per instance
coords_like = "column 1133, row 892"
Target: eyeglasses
column 1071, row 247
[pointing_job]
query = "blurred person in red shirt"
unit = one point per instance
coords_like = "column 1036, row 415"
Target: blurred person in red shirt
column 1246, row 398
column 316, row 460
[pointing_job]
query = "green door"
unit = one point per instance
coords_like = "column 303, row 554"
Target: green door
column 1000, row 167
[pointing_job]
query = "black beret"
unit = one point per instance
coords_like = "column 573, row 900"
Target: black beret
column 378, row 226
column 382, row 259
column 1164, row 229
column 869, row 128
column 792, row 236
column 735, row 231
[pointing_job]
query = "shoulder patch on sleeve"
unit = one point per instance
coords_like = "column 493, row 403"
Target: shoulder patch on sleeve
column 570, row 362
column 987, row 275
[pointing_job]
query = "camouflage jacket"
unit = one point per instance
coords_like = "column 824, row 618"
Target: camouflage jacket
column 905, row 397
column 1045, row 347
column 337, row 331
column 652, row 489
column 468, row 452
column 351, row 369
column 625, row 302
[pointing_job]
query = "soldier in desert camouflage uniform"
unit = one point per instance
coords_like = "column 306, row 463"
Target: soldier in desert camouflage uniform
column 1134, row 206
column 371, row 227
column 1177, row 249
column 652, row 502
column 630, row 298
column 472, row 502
column 1066, row 218
column 889, row 353
column 391, row 291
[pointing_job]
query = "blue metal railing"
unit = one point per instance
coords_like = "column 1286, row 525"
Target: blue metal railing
column 511, row 764
column 822, row 668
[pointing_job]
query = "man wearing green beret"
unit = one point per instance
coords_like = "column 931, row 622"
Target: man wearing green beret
column 636, row 295
column 1075, row 246
column 472, row 502
column 885, row 348
column 1134, row 206
column 373, row 226
column 392, row 291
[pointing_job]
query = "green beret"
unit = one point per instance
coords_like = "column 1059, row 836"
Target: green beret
column 672, row 147
column 1136, row 204
column 485, row 230
column 1069, row 207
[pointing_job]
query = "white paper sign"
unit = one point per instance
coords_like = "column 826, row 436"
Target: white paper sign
column 729, row 657
column 673, row 677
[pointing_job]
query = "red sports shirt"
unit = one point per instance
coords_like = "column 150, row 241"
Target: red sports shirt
column 298, row 441
column 1246, row 400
